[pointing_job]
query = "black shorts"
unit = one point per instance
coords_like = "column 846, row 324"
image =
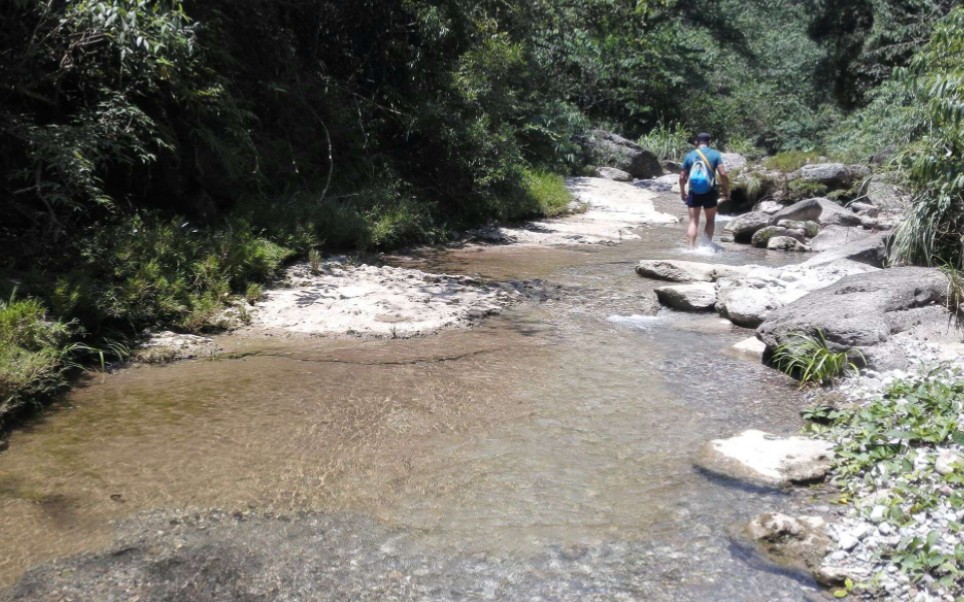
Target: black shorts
column 707, row 200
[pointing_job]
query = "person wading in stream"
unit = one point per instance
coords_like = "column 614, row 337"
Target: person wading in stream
column 705, row 173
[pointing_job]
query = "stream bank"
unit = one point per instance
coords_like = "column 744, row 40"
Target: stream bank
column 549, row 450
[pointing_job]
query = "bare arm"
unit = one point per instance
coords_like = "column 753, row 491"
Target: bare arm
column 683, row 177
column 724, row 181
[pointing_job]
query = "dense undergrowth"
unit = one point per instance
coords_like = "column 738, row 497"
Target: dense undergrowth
column 159, row 158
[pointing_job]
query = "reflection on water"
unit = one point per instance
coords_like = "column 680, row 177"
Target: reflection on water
column 572, row 422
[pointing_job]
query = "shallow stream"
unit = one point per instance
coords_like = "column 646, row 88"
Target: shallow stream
column 544, row 454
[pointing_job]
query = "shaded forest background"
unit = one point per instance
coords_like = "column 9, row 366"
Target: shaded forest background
column 160, row 158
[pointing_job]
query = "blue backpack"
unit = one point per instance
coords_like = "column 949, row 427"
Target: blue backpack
column 702, row 175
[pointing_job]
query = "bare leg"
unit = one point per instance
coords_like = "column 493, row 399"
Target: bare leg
column 710, row 223
column 694, row 225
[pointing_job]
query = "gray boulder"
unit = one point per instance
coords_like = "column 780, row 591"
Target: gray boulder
column 768, row 206
column 733, row 161
column 762, row 237
column 607, row 148
column 685, row 271
column 611, row 173
column 832, row 175
column 883, row 192
column 699, row 296
column 834, row 237
column 810, row 228
column 870, row 249
column 823, row 211
column 665, row 183
column 862, row 314
column 786, row 243
column 743, row 227
column 800, row 542
column 747, row 301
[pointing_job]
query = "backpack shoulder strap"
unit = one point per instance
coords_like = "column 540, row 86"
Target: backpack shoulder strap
column 709, row 165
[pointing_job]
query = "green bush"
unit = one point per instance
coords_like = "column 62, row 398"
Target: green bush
column 933, row 231
column 667, row 142
column 33, row 354
column 548, row 191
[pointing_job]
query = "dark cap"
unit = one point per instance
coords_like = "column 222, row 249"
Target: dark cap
column 702, row 137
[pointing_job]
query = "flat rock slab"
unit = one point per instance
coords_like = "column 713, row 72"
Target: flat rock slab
column 611, row 173
column 170, row 346
column 698, row 296
column 863, row 314
column 834, row 237
column 762, row 458
column 375, row 301
column 748, row 300
column 614, row 210
column 870, row 249
column 823, row 211
column 686, row 271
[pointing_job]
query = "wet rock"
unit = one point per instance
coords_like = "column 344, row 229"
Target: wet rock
column 699, row 296
column 747, row 301
column 751, row 346
column 609, row 149
column 170, row 346
column 611, row 173
column 743, row 227
column 786, row 243
column 862, row 314
column 685, row 271
column 761, row 237
column 870, row 249
column 799, row 542
column 760, row 457
column 823, row 211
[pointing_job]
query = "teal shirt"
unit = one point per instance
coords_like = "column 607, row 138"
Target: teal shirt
column 713, row 156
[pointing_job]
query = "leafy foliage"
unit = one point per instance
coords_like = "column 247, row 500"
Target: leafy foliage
column 892, row 442
column 933, row 232
column 32, row 354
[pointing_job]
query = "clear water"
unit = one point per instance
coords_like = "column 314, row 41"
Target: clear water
column 572, row 422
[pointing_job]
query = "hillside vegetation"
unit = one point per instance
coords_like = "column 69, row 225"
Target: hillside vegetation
column 159, row 158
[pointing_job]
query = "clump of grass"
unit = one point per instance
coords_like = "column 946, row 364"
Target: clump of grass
column 548, row 192
column 809, row 359
column 33, row 353
column 314, row 261
column 666, row 142
column 803, row 189
column 254, row 293
column 789, row 161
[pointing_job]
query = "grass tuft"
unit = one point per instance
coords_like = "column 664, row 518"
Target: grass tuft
column 809, row 359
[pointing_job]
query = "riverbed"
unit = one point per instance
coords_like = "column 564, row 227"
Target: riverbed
column 544, row 453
